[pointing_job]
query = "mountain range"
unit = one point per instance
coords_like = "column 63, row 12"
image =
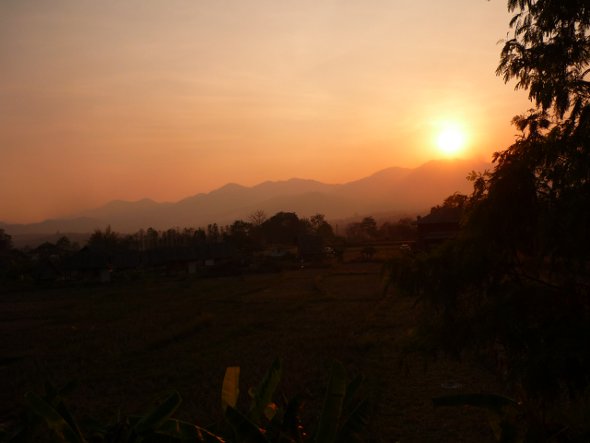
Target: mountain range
column 390, row 191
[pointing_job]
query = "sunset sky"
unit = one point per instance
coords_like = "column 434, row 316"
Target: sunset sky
column 126, row 99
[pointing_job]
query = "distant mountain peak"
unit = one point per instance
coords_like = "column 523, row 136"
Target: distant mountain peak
column 119, row 203
column 229, row 187
column 292, row 180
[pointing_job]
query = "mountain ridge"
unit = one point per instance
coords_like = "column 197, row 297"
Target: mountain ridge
column 392, row 189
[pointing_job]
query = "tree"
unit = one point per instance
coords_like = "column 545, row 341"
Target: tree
column 353, row 231
column 549, row 54
column 258, row 217
column 107, row 240
column 199, row 236
column 239, row 235
column 213, row 233
column 65, row 245
column 544, row 177
column 282, row 228
column 5, row 241
column 369, row 227
column 534, row 207
column 516, row 279
column 321, row 227
column 151, row 238
column 403, row 230
column 365, row 230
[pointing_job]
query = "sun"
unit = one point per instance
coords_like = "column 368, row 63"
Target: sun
column 451, row 140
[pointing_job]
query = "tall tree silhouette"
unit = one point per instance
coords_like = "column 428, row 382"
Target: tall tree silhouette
column 5, row 241
column 549, row 53
column 544, row 177
column 517, row 278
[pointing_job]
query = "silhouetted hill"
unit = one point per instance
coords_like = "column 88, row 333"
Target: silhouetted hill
column 389, row 190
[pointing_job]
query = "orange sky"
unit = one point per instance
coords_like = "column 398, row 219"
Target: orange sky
column 164, row 99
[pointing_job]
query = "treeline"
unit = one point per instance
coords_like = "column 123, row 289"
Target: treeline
column 244, row 237
column 259, row 232
column 284, row 228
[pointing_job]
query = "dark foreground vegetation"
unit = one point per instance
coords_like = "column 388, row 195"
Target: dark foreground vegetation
column 127, row 345
column 343, row 417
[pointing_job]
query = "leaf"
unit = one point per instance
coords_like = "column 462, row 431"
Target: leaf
column 53, row 419
column 53, row 396
column 355, row 425
column 332, row 410
column 67, row 416
column 159, row 414
column 246, row 431
column 351, row 391
column 265, row 391
column 230, row 388
column 186, row 431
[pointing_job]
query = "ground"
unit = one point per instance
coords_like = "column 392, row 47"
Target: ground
column 128, row 343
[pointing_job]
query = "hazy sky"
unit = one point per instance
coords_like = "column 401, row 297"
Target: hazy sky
column 122, row 99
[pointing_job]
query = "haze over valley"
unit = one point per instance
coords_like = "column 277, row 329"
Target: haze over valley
column 392, row 191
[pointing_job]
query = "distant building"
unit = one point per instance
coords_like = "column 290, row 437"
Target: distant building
column 440, row 225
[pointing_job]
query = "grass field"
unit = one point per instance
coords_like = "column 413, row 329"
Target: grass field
column 128, row 343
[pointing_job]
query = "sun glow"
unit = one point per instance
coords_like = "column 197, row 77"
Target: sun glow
column 451, row 140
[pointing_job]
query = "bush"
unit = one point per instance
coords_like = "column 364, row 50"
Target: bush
column 343, row 417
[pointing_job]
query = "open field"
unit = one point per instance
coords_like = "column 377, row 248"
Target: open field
column 128, row 343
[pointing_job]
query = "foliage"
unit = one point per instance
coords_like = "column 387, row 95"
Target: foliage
column 5, row 241
column 282, row 228
column 154, row 426
column 514, row 287
column 319, row 226
column 402, row 230
column 549, row 53
column 365, row 230
column 107, row 240
column 542, row 181
column 343, row 417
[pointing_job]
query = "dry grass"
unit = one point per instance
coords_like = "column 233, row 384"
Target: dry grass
column 128, row 343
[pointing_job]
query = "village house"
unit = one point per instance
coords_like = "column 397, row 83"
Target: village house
column 441, row 224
